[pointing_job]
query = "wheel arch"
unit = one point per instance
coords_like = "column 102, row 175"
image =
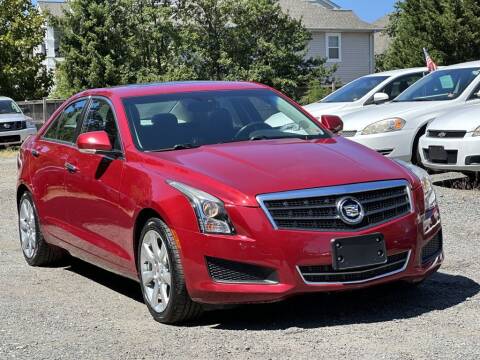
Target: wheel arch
column 22, row 189
column 421, row 131
column 143, row 216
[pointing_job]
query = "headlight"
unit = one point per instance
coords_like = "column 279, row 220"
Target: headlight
column 31, row 125
column 427, row 185
column 476, row 132
column 210, row 211
column 383, row 126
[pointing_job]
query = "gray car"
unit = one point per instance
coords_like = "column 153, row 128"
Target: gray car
column 15, row 126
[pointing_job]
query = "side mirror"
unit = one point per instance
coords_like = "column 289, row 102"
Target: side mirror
column 380, row 98
column 27, row 111
column 94, row 142
column 332, row 123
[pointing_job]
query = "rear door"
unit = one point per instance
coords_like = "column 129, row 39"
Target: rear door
column 49, row 156
column 99, row 224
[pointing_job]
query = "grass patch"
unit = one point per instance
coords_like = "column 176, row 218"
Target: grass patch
column 9, row 152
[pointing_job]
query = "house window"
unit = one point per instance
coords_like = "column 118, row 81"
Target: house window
column 334, row 47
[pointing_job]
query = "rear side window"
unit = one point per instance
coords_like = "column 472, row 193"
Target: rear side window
column 64, row 127
column 100, row 117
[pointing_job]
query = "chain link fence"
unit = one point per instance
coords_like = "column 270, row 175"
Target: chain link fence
column 40, row 110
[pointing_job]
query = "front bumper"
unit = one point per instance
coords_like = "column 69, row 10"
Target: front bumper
column 16, row 137
column 286, row 251
column 396, row 145
column 467, row 147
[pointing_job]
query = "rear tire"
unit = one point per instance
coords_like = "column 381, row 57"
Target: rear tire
column 161, row 275
column 35, row 250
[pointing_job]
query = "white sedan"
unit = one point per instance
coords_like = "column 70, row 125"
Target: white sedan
column 394, row 129
column 367, row 91
column 452, row 141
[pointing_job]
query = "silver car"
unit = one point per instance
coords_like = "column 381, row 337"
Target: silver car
column 15, row 126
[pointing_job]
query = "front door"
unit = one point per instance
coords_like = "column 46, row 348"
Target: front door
column 99, row 225
column 48, row 168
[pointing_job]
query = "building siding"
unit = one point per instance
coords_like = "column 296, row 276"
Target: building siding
column 357, row 54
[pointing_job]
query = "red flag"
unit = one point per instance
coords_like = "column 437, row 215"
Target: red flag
column 430, row 63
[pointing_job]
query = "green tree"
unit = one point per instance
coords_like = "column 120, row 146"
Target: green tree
column 247, row 40
column 447, row 28
column 93, row 45
column 22, row 74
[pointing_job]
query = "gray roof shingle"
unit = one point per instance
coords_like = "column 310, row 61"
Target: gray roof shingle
column 317, row 17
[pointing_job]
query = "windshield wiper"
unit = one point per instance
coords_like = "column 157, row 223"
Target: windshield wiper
column 301, row 137
column 184, row 146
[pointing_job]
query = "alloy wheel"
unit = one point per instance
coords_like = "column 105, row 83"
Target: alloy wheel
column 155, row 271
column 28, row 228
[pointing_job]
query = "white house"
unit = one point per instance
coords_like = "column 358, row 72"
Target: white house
column 51, row 44
column 337, row 35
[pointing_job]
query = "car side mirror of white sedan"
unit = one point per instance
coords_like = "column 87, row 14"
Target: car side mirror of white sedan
column 380, row 98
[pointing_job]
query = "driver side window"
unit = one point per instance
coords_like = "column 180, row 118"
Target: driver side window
column 399, row 85
column 100, row 117
column 64, row 127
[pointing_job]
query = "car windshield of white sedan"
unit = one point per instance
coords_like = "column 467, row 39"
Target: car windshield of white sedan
column 9, row 107
column 355, row 90
column 440, row 85
column 187, row 120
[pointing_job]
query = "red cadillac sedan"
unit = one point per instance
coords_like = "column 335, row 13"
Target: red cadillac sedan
column 220, row 193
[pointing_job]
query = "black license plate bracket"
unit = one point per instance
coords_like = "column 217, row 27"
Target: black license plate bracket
column 358, row 251
column 437, row 153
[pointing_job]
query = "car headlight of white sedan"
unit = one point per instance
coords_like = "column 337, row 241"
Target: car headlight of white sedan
column 384, row 126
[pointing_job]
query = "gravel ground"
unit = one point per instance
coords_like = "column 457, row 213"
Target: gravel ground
column 79, row 311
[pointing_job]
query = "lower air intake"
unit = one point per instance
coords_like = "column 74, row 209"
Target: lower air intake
column 433, row 248
column 236, row 272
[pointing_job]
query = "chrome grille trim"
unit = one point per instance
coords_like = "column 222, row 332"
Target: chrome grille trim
column 339, row 190
column 363, row 280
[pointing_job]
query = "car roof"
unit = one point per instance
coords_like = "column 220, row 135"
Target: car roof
column 171, row 87
column 470, row 64
column 400, row 72
column 5, row 98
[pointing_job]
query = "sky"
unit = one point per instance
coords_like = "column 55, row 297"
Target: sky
column 368, row 10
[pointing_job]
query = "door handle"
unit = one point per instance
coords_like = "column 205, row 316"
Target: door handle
column 35, row 153
column 70, row 168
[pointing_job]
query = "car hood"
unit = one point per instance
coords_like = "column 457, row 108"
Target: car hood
column 413, row 113
column 318, row 109
column 11, row 117
column 466, row 118
column 238, row 172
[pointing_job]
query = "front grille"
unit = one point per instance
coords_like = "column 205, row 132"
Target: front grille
column 326, row 274
column 10, row 139
column 316, row 209
column 348, row 133
column 451, row 157
column 433, row 248
column 446, row 133
column 222, row 270
column 13, row 125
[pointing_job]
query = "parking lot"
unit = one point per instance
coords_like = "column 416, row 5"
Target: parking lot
column 79, row 311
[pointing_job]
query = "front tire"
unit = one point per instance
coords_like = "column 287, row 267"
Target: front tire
column 161, row 275
column 35, row 250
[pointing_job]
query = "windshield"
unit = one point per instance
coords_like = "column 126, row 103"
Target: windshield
column 186, row 120
column 9, row 107
column 440, row 85
column 355, row 90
